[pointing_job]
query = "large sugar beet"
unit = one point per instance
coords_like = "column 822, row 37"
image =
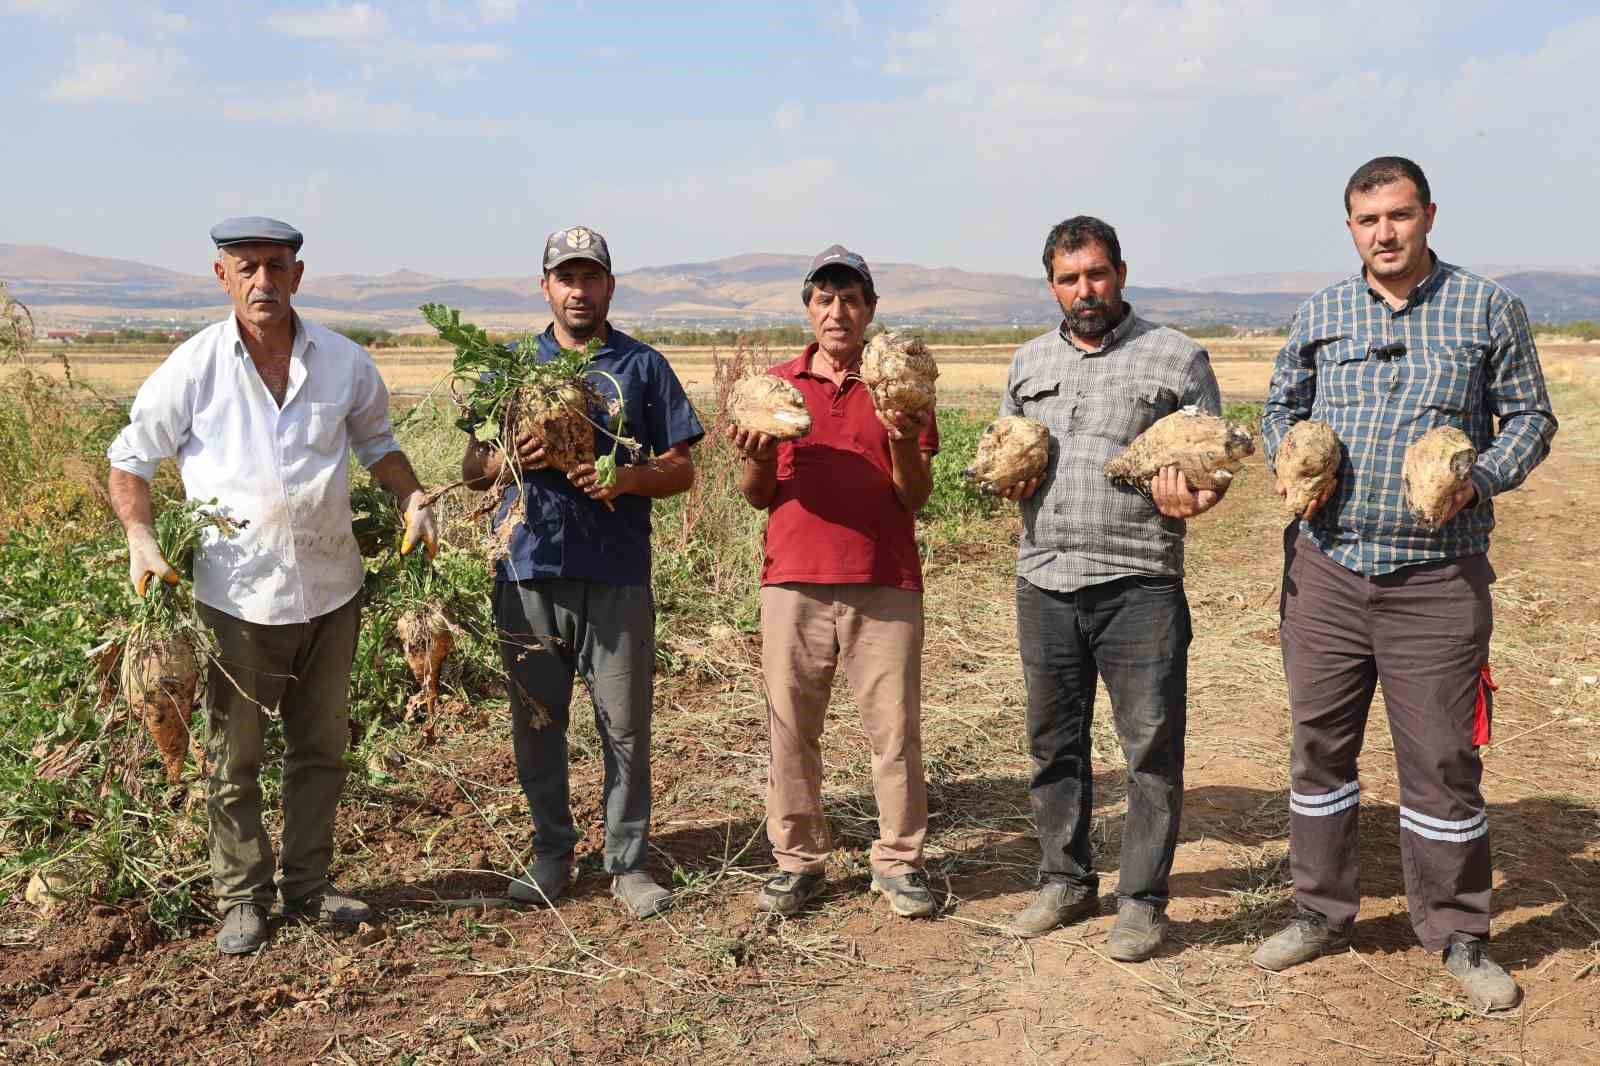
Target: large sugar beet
column 558, row 418
column 1205, row 448
column 160, row 677
column 765, row 403
column 1437, row 464
column 901, row 372
column 1308, row 461
column 1011, row 450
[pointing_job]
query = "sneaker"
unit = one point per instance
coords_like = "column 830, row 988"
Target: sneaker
column 1487, row 986
column 329, row 905
column 639, row 892
column 1138, row 933
column 787, row 892
column 244, row 929
column 908, row 894
column 1057, row 903
column 1307, row 937
column 543, row 882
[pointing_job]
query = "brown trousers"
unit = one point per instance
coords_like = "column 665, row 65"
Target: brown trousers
column 875, row 633
column 1422, row 631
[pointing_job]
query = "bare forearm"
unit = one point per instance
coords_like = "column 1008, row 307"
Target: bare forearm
column 758, row 482
column 130, row 499
column 394, row 473
column 912, row 474
column 659, row 477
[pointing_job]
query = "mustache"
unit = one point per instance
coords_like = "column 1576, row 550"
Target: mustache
column 1088, row 305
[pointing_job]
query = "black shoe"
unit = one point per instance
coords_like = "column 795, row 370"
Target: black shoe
column 786, row 893
column 329, row 905
column 244, row 929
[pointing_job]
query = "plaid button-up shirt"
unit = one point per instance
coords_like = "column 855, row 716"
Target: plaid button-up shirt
column 1459, row 353
column 1079, row 529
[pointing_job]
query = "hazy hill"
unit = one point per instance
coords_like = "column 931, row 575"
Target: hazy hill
column 67, row 289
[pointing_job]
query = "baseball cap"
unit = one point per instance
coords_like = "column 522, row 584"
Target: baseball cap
column 576, row 242
column 839, row 255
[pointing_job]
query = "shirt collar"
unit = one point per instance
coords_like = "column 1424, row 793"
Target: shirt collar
column 1420, row 292
column 235, row 342
column 1118, row 334
column 805, row 370
column 548, row 345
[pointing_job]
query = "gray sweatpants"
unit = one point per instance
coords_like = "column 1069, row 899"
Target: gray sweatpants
column 606, row 633
column 1422, row 631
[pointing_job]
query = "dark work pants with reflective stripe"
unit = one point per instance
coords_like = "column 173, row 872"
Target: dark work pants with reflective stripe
column 1423, row 632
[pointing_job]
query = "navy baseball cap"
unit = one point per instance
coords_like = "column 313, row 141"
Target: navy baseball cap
column 839, row 255
column 253, row 229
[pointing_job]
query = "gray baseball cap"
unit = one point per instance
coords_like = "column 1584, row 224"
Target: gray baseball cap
column 576, row 242
column 253, row 229
column 839, row 255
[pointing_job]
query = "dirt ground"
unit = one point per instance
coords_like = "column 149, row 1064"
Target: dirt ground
column 846, row 982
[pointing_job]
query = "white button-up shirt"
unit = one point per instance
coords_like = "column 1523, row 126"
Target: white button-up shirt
column 284, row 470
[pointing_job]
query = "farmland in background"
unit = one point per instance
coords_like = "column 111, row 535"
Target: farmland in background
column 123, row 968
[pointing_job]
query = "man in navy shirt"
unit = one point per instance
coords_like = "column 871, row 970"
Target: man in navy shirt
column 572, row 593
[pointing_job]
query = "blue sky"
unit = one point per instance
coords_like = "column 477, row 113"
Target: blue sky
column 451, row 135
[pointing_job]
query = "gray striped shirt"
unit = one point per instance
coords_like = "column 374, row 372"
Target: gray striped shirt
column 1079, row 529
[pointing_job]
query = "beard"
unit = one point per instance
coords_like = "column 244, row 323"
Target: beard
column 1092, row 318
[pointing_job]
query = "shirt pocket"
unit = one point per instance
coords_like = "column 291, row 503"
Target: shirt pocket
column 1120, row 412
column 1345, row 373
column 1452, row 374
column 1039, row 400
column 325, row 428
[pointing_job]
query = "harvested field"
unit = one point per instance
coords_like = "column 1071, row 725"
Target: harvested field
column 449, row 976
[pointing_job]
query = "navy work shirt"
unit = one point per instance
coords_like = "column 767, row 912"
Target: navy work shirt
column 568, row 535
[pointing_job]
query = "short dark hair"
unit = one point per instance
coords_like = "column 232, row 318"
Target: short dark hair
column 1382, row 171
column 834, row 277
column 1076, row 232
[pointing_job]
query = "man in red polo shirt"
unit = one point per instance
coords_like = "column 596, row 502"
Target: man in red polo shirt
column 841, row 585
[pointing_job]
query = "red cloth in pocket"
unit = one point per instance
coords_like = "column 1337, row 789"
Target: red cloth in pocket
column 1485, row 710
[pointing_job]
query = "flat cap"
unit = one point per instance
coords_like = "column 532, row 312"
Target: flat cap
column 576, row 242
column 839, row 255
column 253, row 229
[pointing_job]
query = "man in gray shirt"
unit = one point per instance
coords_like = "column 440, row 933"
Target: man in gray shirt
column 1100, row 584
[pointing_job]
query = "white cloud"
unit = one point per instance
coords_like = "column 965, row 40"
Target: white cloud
column 108, row 67
column 350, row 112
column 167, row 22
column 788, row 116
column 336, row 22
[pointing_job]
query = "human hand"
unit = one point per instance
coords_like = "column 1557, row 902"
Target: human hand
column 1176, row 498
column 901, row 426
column 1314, row 505
column 753, row 445
column 145, row 560
column 587, row 478
column 1466, row 496
column 1020, row 490
column 528, row 453
column 420, row 526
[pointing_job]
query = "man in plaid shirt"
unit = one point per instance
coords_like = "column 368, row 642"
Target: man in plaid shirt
column 1370, row 594
column 1100, row 584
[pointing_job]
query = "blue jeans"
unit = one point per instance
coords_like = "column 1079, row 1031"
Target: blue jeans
column 1134, row 632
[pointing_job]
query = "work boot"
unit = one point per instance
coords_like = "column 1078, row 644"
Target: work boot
column 244, row 929
column 787, row 892
column 543, row 882
column 1139, row 930
column 1487, row 986
column 329, row 905
column 1057, row 903
column 639, row 892
column 1305, row 938
column 908, row 894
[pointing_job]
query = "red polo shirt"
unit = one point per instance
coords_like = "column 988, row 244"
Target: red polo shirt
column 835, row 519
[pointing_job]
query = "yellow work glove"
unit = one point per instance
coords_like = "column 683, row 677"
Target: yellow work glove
column 145, row 560
column 420, row 526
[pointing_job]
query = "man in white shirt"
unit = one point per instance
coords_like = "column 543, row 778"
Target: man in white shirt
column 260, row 411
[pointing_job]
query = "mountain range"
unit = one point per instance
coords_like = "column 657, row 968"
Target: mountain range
column 68, row 290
